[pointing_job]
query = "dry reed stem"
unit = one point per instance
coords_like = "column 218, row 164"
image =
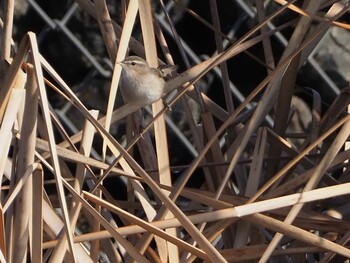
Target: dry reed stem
column 102, row 16
column 15, row 99
column 310, row 15
column 255, row 173
column 106, row 28
column 52, row 144
column 2, row 237
column 14, row 76
column 146, row 19
column 37, row 222
column 7, row 33
column 220, row 48
column 23, row 203
column 268, row 53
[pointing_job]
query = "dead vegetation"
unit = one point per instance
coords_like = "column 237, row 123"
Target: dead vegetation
column 266, row 193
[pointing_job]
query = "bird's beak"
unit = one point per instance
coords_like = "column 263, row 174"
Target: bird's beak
column 120, row 63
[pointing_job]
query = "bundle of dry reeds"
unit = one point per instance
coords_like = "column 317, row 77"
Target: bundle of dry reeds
column 264, row 195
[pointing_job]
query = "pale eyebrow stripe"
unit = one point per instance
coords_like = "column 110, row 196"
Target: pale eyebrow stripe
column 136, row 61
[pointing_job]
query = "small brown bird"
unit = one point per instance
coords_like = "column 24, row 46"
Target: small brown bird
column 141, row 84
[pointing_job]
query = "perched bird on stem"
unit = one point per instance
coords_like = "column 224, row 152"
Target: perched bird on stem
column 141, row 84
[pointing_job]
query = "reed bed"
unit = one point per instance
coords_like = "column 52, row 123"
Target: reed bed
column 264, row 194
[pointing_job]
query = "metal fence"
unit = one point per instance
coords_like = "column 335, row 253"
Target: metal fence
column 103, row 67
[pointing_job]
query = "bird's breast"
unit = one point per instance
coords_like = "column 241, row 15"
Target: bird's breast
column 142, row 90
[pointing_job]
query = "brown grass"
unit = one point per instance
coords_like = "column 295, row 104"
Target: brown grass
column 263, row 195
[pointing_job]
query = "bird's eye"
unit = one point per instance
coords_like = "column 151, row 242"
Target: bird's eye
column 133, row 63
